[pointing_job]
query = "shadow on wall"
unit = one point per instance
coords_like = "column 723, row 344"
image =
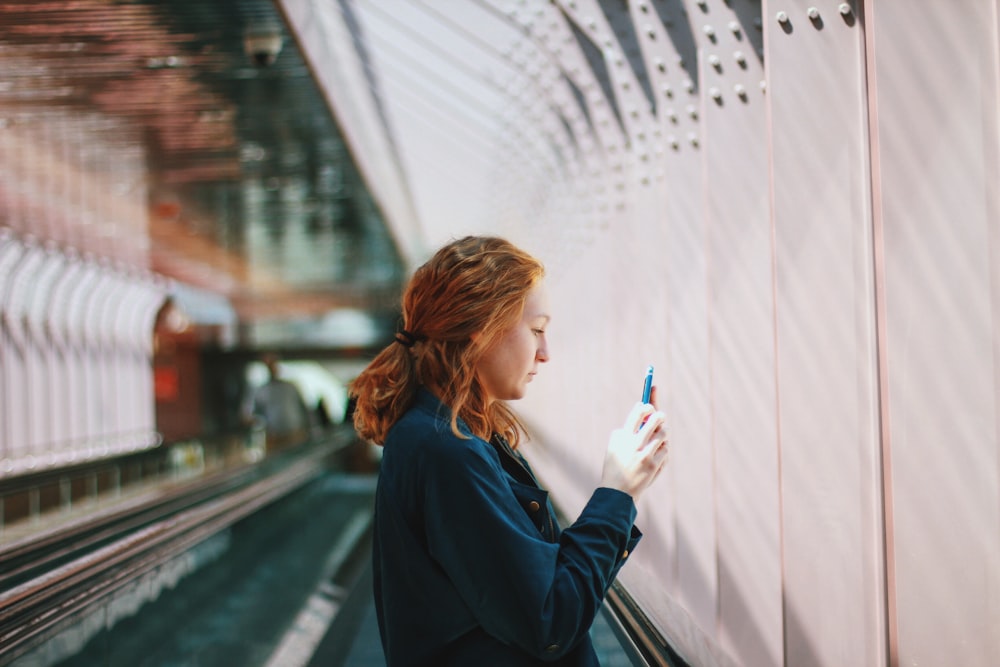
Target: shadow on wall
column 675, row 20
column 748, row 14
column 748, row 634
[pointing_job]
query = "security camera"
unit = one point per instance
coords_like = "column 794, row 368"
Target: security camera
column 262, row 44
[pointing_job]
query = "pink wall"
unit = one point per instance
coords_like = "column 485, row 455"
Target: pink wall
column 799, row 230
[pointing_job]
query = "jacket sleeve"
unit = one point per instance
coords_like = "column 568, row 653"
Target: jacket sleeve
column 539, row 596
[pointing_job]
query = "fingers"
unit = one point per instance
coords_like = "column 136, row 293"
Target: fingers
column 653, row 428
column 636, row 417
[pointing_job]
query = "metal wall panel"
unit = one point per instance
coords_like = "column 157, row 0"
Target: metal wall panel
column 741, row 331
column 936, row 119
column 827, row 385
column 75, row 353
column 687, row 396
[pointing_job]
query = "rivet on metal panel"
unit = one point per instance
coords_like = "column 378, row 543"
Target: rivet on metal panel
column 643, row 7
column 757, row 23
column 692, row 111
column 714, row 61
column 740, row 91
column 703, row 4
column 693, row 138
column 716, row 94
column 734, row 27
column 660, row 65
column 689, row 86
column 650, row 32
column 782, row 17
column 644, row 157
column 740, row 59
column 709, row 32
column 672, row 115
column 571, row 4
column 763, row 86
column 634, row 112
column 845, row 9
column 812, row 13
column 672, row 140
column 667, row 91
column 644, row 180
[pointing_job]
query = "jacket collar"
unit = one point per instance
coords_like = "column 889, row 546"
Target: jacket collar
column 427, row 402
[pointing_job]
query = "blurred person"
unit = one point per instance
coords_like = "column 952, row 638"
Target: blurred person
column 470, row 565
column 280, row 406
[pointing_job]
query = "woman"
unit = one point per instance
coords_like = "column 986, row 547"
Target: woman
column 470, row 567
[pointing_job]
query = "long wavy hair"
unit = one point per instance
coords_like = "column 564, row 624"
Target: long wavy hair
column 455, row 306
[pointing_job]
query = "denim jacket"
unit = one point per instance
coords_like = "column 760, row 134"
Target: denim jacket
column 470, row 565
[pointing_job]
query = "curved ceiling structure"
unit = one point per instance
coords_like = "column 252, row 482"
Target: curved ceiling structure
column 512, row 115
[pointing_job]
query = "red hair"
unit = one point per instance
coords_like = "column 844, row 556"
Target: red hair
column 455, row 306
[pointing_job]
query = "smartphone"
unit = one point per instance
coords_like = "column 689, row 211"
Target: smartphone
column 647, row 385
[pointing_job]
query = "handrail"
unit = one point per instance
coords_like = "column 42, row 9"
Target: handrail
column 639, row 633
column 37, row 551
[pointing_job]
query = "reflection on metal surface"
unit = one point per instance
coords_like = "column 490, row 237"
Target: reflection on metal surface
column 186, row 138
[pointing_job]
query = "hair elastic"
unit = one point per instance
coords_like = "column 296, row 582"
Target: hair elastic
column 406, row 338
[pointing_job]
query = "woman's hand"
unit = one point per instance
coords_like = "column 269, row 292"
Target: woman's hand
column 637, row 452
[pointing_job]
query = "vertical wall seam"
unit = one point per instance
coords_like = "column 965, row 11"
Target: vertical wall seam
column 992, row 164
column 881, row 337
column 709, row 353
column 769, row 138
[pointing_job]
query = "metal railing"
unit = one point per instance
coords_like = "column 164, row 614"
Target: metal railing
column 50, row 579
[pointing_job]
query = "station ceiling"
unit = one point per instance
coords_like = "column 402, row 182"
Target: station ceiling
column 188, row 104
column 303, row 188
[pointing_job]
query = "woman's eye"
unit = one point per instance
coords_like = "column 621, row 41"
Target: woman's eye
column 539, row 332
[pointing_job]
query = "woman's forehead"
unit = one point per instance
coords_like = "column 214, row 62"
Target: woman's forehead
column 536, row 305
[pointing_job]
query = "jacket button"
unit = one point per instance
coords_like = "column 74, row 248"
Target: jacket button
column 552, row 648
column 625, row 554
column 534, row 506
